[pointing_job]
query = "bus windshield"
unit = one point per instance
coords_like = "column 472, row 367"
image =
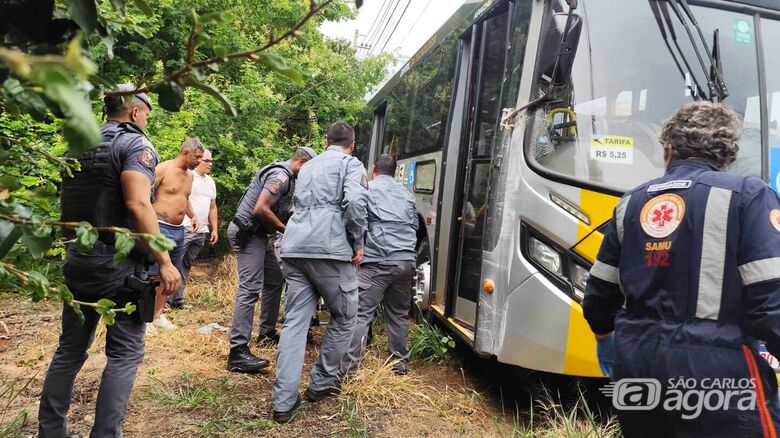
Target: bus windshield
column 635, row 66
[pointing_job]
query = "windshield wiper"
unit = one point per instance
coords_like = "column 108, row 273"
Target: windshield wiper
column 715, row 82
column 664, row 20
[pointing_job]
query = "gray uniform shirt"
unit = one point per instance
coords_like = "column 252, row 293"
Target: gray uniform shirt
column 329, row 218
column 277, row 184
column 392, row 222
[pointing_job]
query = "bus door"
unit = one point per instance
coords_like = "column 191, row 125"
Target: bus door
column 489, row 42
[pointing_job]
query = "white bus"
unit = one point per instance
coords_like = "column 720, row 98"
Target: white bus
column 520, row 123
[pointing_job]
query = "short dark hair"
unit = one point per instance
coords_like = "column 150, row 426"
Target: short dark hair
column 385, row 165
column 705, row 131
column 341, row 134
column 115, row 106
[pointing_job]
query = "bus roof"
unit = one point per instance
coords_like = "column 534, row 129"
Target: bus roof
column 465, row 12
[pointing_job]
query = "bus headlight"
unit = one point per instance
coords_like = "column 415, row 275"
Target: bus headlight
column 546, row 256
column 579, row 278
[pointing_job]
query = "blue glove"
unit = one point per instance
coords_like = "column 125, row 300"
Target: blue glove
column 605, row 350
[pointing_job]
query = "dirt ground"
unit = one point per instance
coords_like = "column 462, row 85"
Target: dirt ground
column 183, row 388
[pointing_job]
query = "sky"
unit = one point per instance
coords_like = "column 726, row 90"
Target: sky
column 419, row 21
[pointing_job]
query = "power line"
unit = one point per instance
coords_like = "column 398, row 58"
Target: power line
column 387, row 24
column 425, row 9
column 376, row 20
column 396, row 25
column 377, row 31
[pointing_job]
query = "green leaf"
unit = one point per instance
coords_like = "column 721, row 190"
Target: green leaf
column 84, row 13
column 86, row 237
column 108, row 317
column 33, row 104
column 9, row 235
column 358, row 3
column 213, row 92
column 38, row 285
column 39, row 227
column 13, row 86
column 279, row 65
column 144, row 7
column 171, row 96
column 77, row 308
column 10, row 183
column 104, row 304
column 160, row 243
column 223, row 17
column 22, row 211
column 123, row 243
column 129, row 308
column 65, row 295
column 80, row 128
column 220, row 51
column 38, row 245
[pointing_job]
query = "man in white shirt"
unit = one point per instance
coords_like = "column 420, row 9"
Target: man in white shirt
column 204, row 204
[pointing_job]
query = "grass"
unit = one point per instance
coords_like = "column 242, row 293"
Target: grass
column 190, row 394
column 549, row 418
column 429, row 343
column 10, row 392
column 184, row 390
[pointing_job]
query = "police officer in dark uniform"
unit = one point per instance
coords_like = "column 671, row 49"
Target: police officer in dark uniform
column 687, row 281
column 262, row 211
column 113, row 188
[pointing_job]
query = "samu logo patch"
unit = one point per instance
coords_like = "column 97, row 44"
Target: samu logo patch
column 662, row 215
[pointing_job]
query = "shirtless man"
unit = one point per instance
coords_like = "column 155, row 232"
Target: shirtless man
column 172, row 186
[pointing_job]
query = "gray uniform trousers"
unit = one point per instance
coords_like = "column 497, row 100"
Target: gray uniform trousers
column 258, row 269
column 308, row 280
column 125, row 352
column 388, row 282
column 193, row 243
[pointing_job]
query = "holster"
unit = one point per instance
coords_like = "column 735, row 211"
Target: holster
column 144, row 294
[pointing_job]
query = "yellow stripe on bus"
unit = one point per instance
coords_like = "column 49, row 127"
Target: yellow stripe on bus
column 598, row 207
column 580, row 346
column 580, row 342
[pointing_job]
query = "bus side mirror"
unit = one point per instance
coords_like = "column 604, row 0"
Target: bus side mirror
column 553, row 31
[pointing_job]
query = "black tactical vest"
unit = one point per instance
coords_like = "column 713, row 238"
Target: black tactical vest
column 245, row 217
column 94, row 193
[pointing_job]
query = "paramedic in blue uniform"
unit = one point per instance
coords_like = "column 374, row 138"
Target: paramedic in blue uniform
column 687, row 281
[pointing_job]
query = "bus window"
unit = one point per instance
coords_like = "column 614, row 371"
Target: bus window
column 615, row 143
column 425, row 177
column 771, row 32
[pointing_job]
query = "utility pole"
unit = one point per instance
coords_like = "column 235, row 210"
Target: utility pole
column 355, row 39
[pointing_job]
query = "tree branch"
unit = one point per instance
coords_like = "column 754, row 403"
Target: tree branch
column 179, row 76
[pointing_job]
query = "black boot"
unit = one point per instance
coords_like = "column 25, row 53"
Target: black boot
column 285, row 416
column 241, row 360
column 315, row 395
column 270, row 338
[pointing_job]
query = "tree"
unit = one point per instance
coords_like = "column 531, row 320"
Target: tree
column 252, row 80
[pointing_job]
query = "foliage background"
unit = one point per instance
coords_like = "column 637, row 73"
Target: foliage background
column 275, row 114
column 253, row 79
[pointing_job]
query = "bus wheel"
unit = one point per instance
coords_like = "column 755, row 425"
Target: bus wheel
column 421, row 286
